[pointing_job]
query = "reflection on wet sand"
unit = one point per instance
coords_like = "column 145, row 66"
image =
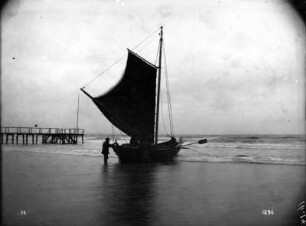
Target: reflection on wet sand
column 127, row 194
column 57, row 189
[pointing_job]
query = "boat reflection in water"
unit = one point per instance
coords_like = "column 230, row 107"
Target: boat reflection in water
column 128, row 195
column 184, row 193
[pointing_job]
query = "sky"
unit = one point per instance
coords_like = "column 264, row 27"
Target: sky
column 235, row 66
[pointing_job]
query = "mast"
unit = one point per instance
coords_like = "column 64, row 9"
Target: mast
column 158, row 84
column 77, row 122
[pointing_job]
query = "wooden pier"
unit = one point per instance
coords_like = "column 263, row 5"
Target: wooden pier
column 31, row 135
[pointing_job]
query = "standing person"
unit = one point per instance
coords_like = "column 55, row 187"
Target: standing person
column 105, row 150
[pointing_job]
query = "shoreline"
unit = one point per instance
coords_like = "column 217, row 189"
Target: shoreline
column 66, row 189
column 112, row 156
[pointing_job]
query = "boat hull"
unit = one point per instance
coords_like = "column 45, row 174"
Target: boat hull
column 136, row 154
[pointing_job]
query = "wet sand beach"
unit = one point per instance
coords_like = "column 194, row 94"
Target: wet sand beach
column 59, row 189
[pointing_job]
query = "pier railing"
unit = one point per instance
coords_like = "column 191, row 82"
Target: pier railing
column 47, row 135
column 35, row 130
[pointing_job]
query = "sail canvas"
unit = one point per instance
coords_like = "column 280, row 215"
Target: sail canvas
column 130, row 105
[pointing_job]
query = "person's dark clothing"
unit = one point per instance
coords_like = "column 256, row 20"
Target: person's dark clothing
column 105, row 150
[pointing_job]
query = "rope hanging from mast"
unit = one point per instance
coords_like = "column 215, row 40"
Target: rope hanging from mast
column 119, row 59
column 161, row 99
column 168, row 99
column 163, row 63
column 163, row 118
column 168, row 94
column 158, row 85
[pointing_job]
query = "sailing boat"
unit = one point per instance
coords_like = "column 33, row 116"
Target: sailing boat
column 132, row 106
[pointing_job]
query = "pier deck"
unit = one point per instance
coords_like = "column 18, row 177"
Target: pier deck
column 44, row 135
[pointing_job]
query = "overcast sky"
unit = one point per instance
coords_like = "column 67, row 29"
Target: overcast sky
column 235, row 66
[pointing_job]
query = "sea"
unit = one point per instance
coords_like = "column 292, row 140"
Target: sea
column 230, row 180
column 260, row 149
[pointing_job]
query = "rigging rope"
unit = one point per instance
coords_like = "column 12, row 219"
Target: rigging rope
column 163, row 119
column 113, row 135
column 166, row 76
column 168, row 94
column 146, row 38
column 161, row 99
column 157, row 53
column 149, row 42
column 122, row 135
column 117, row 61
column 101, row 73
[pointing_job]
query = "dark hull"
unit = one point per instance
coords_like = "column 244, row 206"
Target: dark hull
column 164, row 152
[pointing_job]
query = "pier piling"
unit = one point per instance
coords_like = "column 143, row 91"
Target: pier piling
column 46, row 135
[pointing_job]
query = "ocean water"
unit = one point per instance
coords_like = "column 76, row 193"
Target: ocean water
column 231, row 180
column 261, row 149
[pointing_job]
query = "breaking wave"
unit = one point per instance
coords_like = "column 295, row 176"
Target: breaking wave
column 260, row 149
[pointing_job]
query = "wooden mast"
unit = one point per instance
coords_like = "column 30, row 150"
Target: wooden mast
column 158, row 84
column 77, row 122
